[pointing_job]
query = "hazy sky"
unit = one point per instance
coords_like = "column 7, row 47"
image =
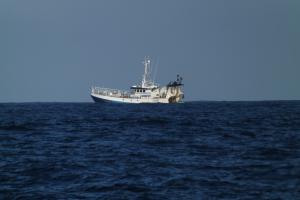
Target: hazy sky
column 55, row 50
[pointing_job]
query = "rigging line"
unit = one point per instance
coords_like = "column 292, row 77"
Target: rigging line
column 155, row 69
column 152, row 68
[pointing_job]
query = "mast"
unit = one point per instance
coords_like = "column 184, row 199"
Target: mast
column 146, row 77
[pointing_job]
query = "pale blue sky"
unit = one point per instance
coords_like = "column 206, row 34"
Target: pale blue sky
column 225, row 49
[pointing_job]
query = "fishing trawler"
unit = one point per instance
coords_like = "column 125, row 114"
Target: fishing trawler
column 146, row 92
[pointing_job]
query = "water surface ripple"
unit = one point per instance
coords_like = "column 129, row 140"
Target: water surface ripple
column 199, row 150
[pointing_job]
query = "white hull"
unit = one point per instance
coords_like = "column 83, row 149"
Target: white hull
column 103, row 98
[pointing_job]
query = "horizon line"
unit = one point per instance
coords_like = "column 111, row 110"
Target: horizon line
column 190, row 101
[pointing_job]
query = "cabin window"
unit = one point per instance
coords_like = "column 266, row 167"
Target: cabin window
column 143, row 90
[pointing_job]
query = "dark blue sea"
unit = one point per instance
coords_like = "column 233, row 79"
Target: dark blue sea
column 197, row 150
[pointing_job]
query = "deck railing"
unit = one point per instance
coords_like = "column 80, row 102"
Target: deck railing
column 110, row 92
